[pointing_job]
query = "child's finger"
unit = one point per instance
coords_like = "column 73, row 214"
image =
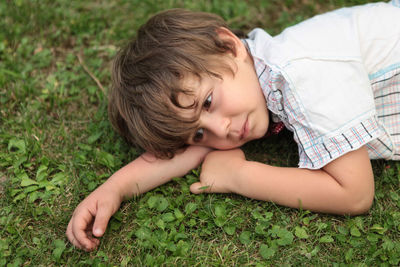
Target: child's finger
column 90, row 236
column 198, row 188
column 79, row 225
column 103, row 215
column 71, row 236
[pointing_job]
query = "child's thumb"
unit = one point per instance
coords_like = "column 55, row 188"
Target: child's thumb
column 197, row 188
column 100, row 222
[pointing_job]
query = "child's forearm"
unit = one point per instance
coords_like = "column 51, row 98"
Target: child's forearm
column 146, row 172
column 292, row 187
column 344, row 188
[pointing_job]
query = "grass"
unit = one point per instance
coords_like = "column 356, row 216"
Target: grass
column 56, row 146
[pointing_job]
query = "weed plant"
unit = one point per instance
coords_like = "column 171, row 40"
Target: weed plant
column 56, row 146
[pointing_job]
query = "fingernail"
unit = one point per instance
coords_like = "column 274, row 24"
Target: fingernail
column 97, row 232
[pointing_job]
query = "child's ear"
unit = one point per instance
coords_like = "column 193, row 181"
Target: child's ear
column 238, row 48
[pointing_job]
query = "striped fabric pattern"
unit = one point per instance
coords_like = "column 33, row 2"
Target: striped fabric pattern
column 386, row 87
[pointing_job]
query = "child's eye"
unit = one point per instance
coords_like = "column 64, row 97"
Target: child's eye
column 198, row 135
column 208, row 102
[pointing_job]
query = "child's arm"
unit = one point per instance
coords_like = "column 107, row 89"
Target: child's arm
column 344, row 186
column 91, row 216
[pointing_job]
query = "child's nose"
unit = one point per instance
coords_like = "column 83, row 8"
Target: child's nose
column 219, row 126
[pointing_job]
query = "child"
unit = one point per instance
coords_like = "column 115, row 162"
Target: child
column 188, row 85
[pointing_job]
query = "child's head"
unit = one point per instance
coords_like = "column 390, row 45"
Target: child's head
column 158, row 84
column 148, row 74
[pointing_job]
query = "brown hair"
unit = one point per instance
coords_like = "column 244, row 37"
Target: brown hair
column 148, row 76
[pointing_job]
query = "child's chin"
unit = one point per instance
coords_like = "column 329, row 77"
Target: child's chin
column 228, row 147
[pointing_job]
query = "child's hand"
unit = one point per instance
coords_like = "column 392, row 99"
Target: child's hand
column 219, row 171
column 91, row 217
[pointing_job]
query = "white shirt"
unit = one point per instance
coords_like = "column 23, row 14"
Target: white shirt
column 334, row 80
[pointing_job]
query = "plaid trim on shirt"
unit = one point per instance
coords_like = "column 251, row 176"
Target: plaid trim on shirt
column 386, row 87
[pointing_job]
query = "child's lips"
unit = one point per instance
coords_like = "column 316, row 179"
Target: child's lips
column 245, row 130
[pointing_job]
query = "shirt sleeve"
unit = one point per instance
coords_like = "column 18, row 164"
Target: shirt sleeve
column 327, row 97
column 329, row 105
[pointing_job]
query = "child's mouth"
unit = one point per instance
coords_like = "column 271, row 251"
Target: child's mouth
column 245, row 130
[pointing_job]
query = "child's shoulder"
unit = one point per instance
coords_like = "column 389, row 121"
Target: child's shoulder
column 336, row 34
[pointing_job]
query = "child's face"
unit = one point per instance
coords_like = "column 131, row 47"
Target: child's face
column 234, row 110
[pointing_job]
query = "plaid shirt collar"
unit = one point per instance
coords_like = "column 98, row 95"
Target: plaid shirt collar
column 263, row 73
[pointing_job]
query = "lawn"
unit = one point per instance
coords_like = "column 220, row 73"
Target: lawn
column 56, row 146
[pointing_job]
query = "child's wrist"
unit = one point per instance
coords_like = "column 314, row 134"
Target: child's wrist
column 240, row 177
column 114, row 186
